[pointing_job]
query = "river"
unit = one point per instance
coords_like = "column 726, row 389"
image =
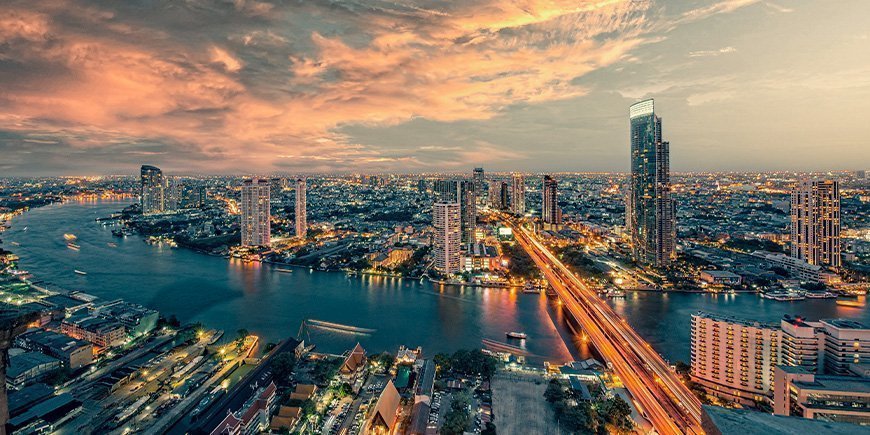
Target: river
column 232, row 295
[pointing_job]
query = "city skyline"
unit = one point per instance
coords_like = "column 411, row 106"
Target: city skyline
column 99, row 88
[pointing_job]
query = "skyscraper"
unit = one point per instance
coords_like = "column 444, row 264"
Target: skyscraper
column 479, row 180
column 152, row 189
column 256, row 227
column 301, row 208
column 550, row 211
column 172, row 194
column 653, row 232
column 446, row 190
column 815, row 222
column 447, row 244
column 495, row 194
column 518, row 194
column 468, row 205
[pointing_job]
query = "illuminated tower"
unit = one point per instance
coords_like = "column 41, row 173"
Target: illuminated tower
column 518, row 195
column 151, row 190
column 447, row 244
column 479, row 181
column 653, row 232
column 550, row 212
column 255, row 223
column 815, row 222
column 301, row 208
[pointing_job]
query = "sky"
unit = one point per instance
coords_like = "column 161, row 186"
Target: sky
column 90, row 87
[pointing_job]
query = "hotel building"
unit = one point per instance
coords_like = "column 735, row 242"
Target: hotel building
column 448, row 228
column 815, row 222
column 256, row 227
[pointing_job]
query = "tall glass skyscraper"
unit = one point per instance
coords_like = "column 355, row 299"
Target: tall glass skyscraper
column 649, row 206
column 152, row 190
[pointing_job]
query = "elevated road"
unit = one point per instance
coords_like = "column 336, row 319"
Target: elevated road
column 665, row 401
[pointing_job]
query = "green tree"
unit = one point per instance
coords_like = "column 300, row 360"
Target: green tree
column 282, row 367
column 555, row 391
column 616, row 411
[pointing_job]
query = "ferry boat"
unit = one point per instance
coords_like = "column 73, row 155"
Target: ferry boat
column 80, row 272
column 69, row 237
column 821, row 295
column 112, row 245
column 284, row 270
column 73, row 246
column 517, row 335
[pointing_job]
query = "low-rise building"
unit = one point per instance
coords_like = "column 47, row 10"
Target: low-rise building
column 29, row 367
column 802, row 393
column 72, row 352
column 797, row 267
column 382, row 419
column 720, row 277
column 102, row 332
column 137, row 320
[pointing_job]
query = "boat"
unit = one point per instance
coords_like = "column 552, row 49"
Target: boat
column 517, row 335
column 80, row 272
column 284, row 270
column 69, row 237
column 73, row 246
column 821, row 295
column 15, row 244
column 112, row 245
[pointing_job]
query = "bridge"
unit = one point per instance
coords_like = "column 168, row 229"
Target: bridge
column 662, row 397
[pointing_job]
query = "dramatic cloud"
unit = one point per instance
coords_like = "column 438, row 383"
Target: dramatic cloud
column 268, row 86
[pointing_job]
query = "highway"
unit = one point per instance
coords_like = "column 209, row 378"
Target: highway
column 665, row 401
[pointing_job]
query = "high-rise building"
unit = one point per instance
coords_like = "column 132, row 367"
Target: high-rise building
column 446, row 190
column 505, row 195
column 518, row 194
column 152, row 189
column 301, row 208
column 468, row 204
column 255, row 223
column 448, row 236
column 734, row 358
column 172, row 194
column 495, row 195
column 815, row 222
column 652, row 227
column 193, row 196
column 550, row 211
column 479, row 181
column 421, row 185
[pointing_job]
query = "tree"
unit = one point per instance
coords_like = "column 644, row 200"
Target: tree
column 555, row 391
column 457, row 418
column 682, row 368
column 473, row 362
column 489, row 429
column 616, row 412
column 282, row 367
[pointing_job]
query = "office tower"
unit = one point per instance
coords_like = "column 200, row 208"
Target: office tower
column 505, row 195
column 448, row 228
column 172, row 195
column 734, row 358
column 421, row 185
column 301, row 208
column 518, row 194
column 815, row 222
column 550, row 211
column 255, row 222
column 151, row 193
column 479, row 181
column 653, row 232
column 468, row 205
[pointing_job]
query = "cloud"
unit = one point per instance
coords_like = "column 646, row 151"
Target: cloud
column 712, row 53
column 247, row 85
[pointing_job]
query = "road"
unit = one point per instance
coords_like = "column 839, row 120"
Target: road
column 666, row 402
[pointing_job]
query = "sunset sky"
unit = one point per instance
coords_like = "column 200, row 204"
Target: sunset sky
column 100, row 87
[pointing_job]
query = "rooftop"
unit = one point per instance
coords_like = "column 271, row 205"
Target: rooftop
column 718, row 420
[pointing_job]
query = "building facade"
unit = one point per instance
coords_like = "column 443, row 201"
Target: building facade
column 255, row 208
column 151, row 191
column 479, row 185
column 447, row 250
column 518, row 194
column 301, row 208
column 468, row 204
column 550, row 211
column 815, row 222
column 801, row 393
column 734, row 358
column 652, row 227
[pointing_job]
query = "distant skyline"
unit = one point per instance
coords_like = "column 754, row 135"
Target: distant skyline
column 93, row 87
